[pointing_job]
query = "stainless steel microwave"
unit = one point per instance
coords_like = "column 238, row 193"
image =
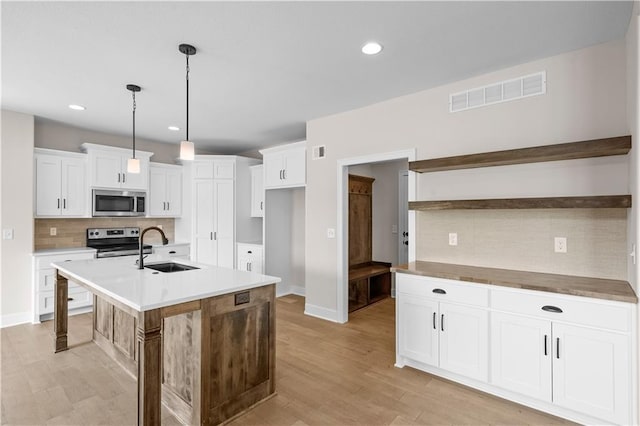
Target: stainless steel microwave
column 118, row 203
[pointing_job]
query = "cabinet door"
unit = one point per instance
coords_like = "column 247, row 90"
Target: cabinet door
column 418, row 328
column 174, row 192
column 224, row 207
column 204, row 246
column 464, row 340
column 591, row 372
column 157, row 192
column 295, row 167
column 74, row 188
column 273, row 168
column 243, row 263
column 48, row 183
column 257, row 192
column 106, row 170
column 521, row 355
column 224, row 169
column 135, row 180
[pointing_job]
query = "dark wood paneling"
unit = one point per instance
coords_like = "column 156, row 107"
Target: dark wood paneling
column 103, row 318
column 148, row 338
column 239, row 370
column 60, row 312
column 567, row 151
column 124, row 332
column 604, row 201
column 360, row 223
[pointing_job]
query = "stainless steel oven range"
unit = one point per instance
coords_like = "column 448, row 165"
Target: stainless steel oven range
column 112, row 242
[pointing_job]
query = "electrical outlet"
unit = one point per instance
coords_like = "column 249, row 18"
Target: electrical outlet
column 7, row 234
column 560, row 244
column 453, row 239
column 394, row 229
column 53, row 231
column 331, row 233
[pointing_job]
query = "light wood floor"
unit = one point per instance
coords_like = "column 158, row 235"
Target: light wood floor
column 326, row 374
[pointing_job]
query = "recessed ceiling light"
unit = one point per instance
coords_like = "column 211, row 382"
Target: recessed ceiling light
column 77, row 107
column 174, row 128
column 371, row 48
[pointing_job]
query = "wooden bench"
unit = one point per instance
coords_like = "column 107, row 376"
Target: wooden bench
column 368, row 283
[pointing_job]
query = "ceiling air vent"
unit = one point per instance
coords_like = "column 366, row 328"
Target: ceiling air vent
column 319, row 151
column 503, row 91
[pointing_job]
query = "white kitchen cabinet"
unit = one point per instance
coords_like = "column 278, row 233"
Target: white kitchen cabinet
column 439, row 332
column 44, row 275
column 285, row 166
column 250, row 257
column 61, row 184
column 108, row 167
column 165, row 190
column 173, row 251
column 257, row 191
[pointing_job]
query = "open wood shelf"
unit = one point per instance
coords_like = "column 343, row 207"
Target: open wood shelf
column 619, row 145
column 603, row 201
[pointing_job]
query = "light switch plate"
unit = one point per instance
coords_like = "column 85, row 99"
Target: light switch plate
column 53, row 231
column 331, row 233
column 7, row 234
column 394, row 229
column 453, row 239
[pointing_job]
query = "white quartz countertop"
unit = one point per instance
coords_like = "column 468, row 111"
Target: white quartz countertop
column 146, row 289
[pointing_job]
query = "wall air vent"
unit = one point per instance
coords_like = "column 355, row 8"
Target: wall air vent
column 504, row 91
column 319, row 151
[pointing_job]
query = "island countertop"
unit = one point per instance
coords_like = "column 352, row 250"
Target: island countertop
column 146, row 289
column 599, row 288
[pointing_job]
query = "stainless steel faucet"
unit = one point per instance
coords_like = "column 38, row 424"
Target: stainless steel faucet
column 164, row 242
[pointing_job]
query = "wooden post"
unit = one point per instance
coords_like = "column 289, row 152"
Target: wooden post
column 149, row 367
column 60, row 312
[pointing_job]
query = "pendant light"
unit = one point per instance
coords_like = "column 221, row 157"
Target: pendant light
column 133, row 163
column 187, row 150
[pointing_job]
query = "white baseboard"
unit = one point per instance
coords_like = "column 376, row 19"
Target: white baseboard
column 15, row 319
column 298, row 290
column 320, row 312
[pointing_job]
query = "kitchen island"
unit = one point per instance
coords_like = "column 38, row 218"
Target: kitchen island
column 200, row 341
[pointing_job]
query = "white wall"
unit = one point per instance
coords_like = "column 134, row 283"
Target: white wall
column 585, row 99
column 16, row 213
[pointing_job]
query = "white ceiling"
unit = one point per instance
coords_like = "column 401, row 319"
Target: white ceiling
column 265, row 68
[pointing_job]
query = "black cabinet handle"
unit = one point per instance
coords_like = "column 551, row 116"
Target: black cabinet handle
column 439, row 291
column 545, row 345
column 434, row 320
column 553, row 309
column 58, row 202
column 69, row 299
column 558, row 347
column 64, row 203
column 172, row 252
column 249, row 251
column 442, row 322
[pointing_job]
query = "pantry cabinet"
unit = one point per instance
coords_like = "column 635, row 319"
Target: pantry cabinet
column 61, row 184
column 257, row 191
column 285, row 166
column 165, row 190
column 108, row 168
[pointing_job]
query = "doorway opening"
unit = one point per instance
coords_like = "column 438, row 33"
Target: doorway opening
column 391, row 224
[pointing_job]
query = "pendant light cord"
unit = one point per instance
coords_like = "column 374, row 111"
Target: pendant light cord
column 187, row 55
column 134, row 123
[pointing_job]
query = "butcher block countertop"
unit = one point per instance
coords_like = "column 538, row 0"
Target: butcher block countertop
column 598, row 288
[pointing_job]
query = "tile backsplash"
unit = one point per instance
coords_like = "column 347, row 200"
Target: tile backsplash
column 524, row 240
column 72, row 232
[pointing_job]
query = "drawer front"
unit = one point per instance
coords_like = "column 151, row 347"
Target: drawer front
column 43, row 262
column 250, row 251
column 47, row 280
column 443, row 290
column 579, row 310
column 181, row 251
column 77, row 297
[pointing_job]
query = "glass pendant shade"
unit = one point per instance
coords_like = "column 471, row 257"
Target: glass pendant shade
column 133, row 165
column 187, row 151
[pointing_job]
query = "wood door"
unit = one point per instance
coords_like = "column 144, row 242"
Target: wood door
column 521, row 354
column 464, row 340
column 238, row 347
column 360, row 210
column 591, row 372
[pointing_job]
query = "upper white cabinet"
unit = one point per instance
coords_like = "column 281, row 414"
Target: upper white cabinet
column 165, row 190
column 61, row 183
column 108, row 167
column 257, row 191
column 285, row 166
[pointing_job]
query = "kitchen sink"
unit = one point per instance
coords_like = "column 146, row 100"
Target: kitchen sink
column 170, row 267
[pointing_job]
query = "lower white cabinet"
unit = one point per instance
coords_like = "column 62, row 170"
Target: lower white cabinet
column 250, row 258
column 451, row 336
column 567, row 355
column 44, row 276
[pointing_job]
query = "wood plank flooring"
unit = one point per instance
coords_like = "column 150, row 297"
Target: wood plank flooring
column 327, row 374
